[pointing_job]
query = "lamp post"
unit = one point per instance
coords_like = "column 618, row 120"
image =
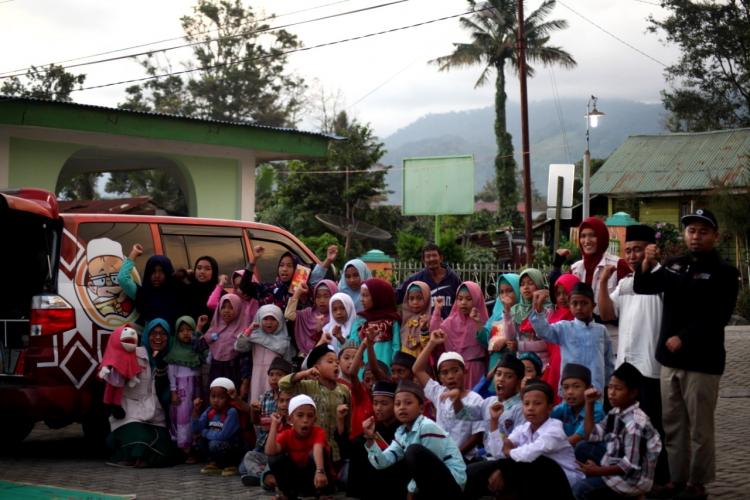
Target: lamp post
column 592, row 121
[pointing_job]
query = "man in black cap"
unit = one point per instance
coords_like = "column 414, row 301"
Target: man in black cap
column 640, row 318
column 700, row 291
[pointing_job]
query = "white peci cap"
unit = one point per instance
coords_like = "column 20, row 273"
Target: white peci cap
column 223, row 382
column 450, row 356
column 301, row 400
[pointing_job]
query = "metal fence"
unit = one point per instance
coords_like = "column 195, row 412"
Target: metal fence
column 484, row 274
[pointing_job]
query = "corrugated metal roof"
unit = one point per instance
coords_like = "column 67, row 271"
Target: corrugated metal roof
column 167, row 115
column 675, row 162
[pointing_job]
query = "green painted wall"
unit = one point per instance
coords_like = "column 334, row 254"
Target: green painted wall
column 37, row 163
column 653, row 210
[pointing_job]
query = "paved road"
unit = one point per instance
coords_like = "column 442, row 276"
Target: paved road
column 60, row 458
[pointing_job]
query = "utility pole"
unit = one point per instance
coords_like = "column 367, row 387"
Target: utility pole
column 521, row 42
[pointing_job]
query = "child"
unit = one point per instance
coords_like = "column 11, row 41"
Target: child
column 451, row 372
column 493, row 336
column 254, row 469
column 346, row 358
column 299, row 458
column 277, row 293
column 227, row 323
column 540, row 462
column 433, row 462
column 415, row 327
column 308, row 322
column 267, row 339
column 241, row 287
column 632, row 444
column 321, row 383
column 582, row 341
column 198, row 286
column 402, row 366
column 156, row 296
column 363, row 480
column 379, row 319
column 561, row 289
column 575, row 380
column 342, row 315
column 532, row 367
column 267, row 404
column 183, row 369
column 355, row 273
column 468, row 315
column 219, row 428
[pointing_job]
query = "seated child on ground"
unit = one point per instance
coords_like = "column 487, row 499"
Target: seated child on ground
column 219, row 429
column 532, row 367
column 433, row 462
column 299, row 457
column 632, row 444
column 266, row 406
column 415, row 325
column 379, row 319
column 342, row 315
column 575, row 380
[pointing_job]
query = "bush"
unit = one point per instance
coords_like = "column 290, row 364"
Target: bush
column 409, row 246
column 453, row 252
column 319, row 245
column 479, row 255
column 743, row 304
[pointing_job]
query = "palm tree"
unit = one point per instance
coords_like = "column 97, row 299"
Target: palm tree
column 494, row 28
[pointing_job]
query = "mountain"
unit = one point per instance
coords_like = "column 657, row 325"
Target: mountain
column 472, row 132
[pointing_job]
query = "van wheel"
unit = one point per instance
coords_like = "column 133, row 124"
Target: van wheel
column 13, row 430
column 95, row 431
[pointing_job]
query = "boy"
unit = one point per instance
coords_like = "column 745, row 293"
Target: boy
column 432, row 459
column 219, row 428
column 700, row 291
column 363, row 480
column 402, row 366
column 263, row 409
column 299, row 458
column 451, row 371
column 632, row 443
column 581, row 340
column 575, row 380
column 321, row 383
column 540, row 462
column 254, row 467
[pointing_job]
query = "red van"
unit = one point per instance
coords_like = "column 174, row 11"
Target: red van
column 60, row 298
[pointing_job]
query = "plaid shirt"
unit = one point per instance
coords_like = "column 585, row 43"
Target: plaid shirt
column 267, row 408
column 633, row 445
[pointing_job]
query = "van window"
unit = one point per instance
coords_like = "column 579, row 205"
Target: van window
column 126, row 234
column 275, row 244
column 185, row 243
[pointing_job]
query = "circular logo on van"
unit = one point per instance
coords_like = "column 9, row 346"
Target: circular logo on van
column 98, row 288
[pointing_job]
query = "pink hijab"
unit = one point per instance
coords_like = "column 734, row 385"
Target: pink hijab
column 462, row 329
column 222, row 349
column 306, row 324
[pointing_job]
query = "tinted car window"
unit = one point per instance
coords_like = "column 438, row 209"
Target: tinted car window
column 184, row 243
column 275, row 244
column 126, row 234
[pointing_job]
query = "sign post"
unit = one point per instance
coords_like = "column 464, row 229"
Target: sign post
column 560, row 195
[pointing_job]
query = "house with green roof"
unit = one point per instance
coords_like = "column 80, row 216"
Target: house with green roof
column 212, row 161
column 659, row 178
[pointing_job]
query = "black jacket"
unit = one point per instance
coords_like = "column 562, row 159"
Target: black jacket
column 699, row 297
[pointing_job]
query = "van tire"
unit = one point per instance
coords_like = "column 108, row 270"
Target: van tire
column 95, row 431
column 13, row 430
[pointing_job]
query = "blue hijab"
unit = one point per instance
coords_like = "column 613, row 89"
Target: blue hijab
column 364, row 274
column 158, row 365
column 145, row 343
column 514, row 281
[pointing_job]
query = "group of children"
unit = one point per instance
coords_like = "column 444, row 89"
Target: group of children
column 335, row 384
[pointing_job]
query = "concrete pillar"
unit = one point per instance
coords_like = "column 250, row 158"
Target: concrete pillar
column 247, row 188
column 4, row 159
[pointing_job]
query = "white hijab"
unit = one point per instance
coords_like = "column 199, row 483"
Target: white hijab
column 346, row 327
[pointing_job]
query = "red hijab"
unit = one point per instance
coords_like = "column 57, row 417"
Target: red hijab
column 115, row 355
column 383, row 301
column 590, row 261
column 567, row 281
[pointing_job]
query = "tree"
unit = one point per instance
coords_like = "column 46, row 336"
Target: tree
column 711, row 80
column 493, row 45
column 157, row 184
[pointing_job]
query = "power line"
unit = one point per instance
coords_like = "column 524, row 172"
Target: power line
column 611, row 34
column 290, row 51
column 21, row 72
column 384, row 82
column 649, row 3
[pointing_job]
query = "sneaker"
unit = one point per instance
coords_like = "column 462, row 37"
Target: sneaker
column 250, row 481
column 693, row 492
column 122, row 464
column 210, row 469
column 229, row 471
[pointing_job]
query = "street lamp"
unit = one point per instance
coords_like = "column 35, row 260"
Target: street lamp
column 592, row 121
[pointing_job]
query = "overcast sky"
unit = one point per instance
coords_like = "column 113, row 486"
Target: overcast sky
column 43, row 31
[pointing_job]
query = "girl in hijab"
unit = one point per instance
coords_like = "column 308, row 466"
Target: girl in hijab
column 241, row 287
column 517, row 326
column 266, row 339
column 378, row 320
column 228, row 323
column 593, row 241
column 563, row 288
column 342, row 315
column 156, row 336
column 156, row 296
column 198, row 286
column 308, row 322
column 416, row 312
column 355, row 273
column 493, row 336
column 468, row 315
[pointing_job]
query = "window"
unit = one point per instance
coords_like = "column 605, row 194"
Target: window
column 126, row 234
column 275, row 244
column 185, row 243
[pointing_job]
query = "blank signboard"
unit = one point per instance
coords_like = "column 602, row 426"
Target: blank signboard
column 438, row 185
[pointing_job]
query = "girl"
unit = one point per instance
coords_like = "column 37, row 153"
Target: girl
column 416, row 317
column 156, row 335
column 342, row 315
column 492, row 336
column 241, row 287
column 267, row 338
column 593, row 240
column 156, row 296
column 227, row 324
column 183, row 371
column 355, row 273
column 468, row 315
column 517, row 325
column 563, row 287
column 308, row 322
column 196, row 290
column 278, row 293
column 379, row 319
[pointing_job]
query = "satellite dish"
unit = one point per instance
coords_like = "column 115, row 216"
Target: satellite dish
column 352, row 229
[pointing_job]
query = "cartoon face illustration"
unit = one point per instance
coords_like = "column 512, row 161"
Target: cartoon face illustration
column 102, row 277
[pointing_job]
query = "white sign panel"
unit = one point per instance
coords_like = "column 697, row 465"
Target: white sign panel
column 567, row 172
